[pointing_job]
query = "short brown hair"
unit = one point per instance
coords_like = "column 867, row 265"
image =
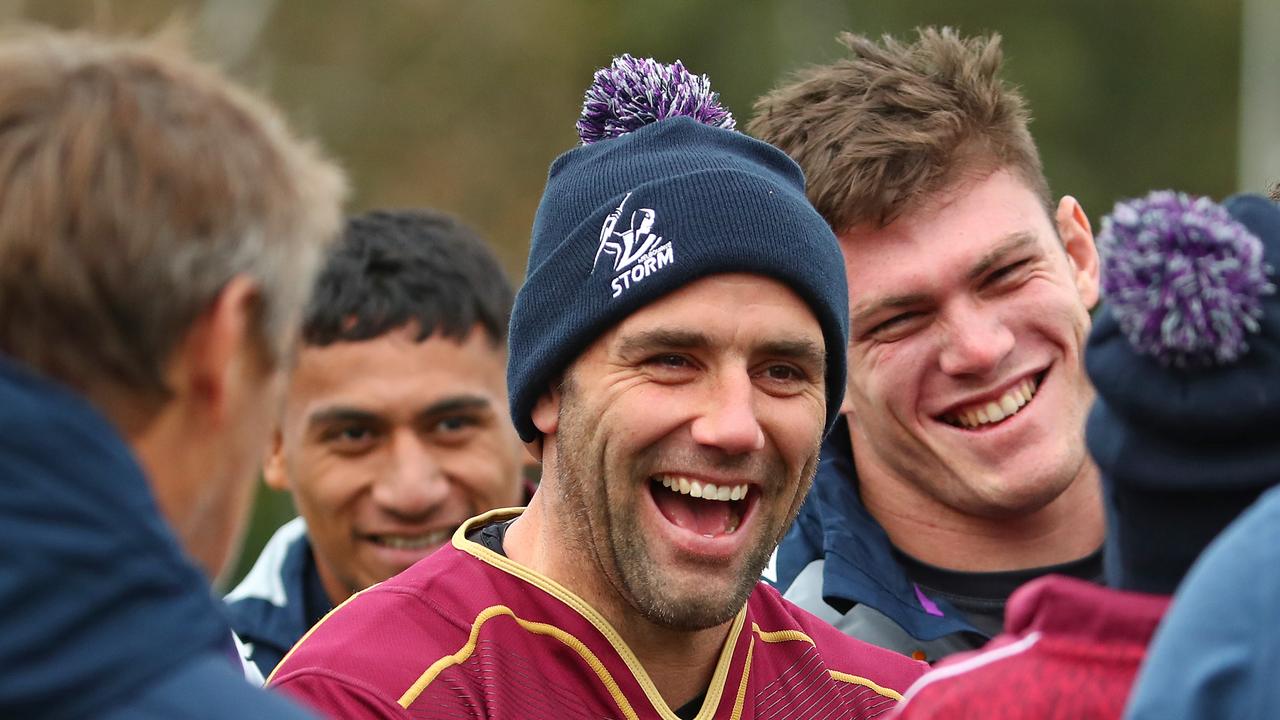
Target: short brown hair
column 134, row 184
column 1274, row 192
column 896, row 123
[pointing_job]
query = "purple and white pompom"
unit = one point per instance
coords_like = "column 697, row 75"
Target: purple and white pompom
column 1184, row 279
column 634, row 92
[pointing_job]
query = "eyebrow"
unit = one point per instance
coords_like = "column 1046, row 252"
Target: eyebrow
column 455, row 403
column 345, row 414
column 801, row 350
column 891, row 302
column 804, row 352
column 340, row 414
column 663, row 338
column 1010, row 244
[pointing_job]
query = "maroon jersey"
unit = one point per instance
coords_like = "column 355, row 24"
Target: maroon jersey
column 1070, row 649
column 468, row 633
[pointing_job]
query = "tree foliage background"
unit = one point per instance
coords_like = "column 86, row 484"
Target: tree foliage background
column 462, row 104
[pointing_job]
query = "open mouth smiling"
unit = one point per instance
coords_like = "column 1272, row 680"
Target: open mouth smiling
column 412, row 542
column 701, row 507
column 985, row 414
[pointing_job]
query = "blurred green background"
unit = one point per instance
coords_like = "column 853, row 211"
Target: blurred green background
column 462, row 104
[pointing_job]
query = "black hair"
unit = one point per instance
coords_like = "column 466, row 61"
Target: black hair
column 393, row 268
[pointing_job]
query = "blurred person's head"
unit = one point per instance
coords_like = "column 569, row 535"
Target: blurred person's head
column 159, row 231
column 969, row 291
column 1185, row 355
column 395, row 427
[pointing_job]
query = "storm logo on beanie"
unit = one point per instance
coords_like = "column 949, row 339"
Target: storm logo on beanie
column 637, row 251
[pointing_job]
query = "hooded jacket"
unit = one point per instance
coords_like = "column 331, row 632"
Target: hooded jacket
column 104, row 615
column 837, row 562
column 280, row 599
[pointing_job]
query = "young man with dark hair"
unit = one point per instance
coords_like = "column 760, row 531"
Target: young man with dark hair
column 394, row 428
column 159, row 232
column 959, row 471
column 677, row 352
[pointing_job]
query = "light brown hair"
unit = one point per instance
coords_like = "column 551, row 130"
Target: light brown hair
column 1274, row 192
column 134, row 184
column 896, row 123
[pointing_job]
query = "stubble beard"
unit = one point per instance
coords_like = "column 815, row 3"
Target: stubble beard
column 609, row 532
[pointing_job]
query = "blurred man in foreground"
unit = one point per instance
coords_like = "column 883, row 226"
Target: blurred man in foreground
column 959, row 471
column 159, row 231
column 395, row 427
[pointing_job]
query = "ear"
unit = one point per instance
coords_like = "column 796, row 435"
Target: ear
column 546, row 417
column 1082, row 253
column 546, row 411
column 849, row 416
column 218, row 347
column 846, row 402
column 273, row 471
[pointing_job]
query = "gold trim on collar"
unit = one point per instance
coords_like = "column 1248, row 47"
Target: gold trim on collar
column 564, row 595
column 536, row 628
column 777, row 636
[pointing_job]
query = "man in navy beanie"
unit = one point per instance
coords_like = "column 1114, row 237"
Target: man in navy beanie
column 1185, row 358
column 676, row 356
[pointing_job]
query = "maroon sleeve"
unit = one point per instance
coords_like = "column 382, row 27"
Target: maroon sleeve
column 360, row 659
column 338, row 697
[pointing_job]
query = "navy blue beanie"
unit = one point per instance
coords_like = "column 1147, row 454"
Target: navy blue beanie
column 1185, row 357
column 645, row 211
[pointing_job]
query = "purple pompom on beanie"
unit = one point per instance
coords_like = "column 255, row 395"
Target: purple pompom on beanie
column 1185, row 357
column 634, row 92
column 1184, row 278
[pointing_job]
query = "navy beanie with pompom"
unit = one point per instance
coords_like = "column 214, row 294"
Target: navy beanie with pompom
column 662, row 193
column 1185, row 357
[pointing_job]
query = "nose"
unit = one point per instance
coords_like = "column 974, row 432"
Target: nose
column 728, row 420
column 414, row 483
column 976, row 342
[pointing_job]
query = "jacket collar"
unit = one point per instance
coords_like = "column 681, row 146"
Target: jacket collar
column 859, row 563
column 281, row 597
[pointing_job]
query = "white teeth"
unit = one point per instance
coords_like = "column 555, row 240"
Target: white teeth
column 412, row 542
column 1010, row 404
column 992, row 412
column 706, row 491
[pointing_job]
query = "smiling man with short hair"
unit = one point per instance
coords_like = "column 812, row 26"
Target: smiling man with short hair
column 394, row 429
column 959, row 471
